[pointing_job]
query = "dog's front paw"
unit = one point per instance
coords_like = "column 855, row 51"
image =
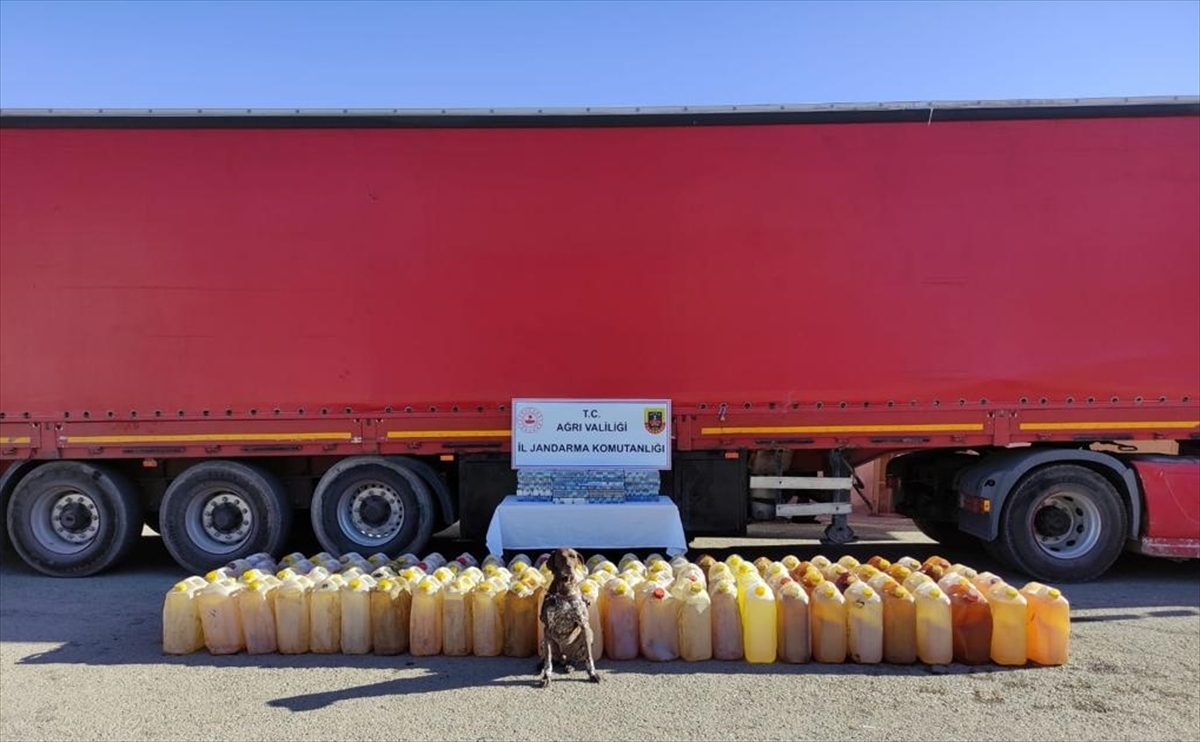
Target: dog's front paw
column 543, row 681
column 594, row 677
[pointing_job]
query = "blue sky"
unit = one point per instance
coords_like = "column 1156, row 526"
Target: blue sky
column 515, row 54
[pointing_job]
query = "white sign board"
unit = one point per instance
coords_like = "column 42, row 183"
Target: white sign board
column 591, row 434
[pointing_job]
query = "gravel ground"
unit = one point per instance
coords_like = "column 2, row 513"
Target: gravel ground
column 81, row 660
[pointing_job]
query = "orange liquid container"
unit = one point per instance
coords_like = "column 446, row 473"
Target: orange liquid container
column 219, row 616
column 658, row 626
column 899, row 572
column 915, row 580
column 761, row 565
column 695, row 624
column 809, row 579
column 1049, row 624
column 621, row 621
column 864, row 621
column 182, row 631
column 912, row 565
column 389, row 623
column 457, row 630
column 257, row 606
column 820, row 561
column 760, row 631
column 864, row 572
column 292, row 615
column 935, row 628
column 520, row 620
column 356, row 615
column 487, row 619
column 590, row 590
column 425, row 618
column 1009, row 635
column 881, row 582
column 705, row 562
column 941, row 563
column 899, row 625
column 962, row 569
column 971, row 618
column 879, row 563
column 828, row 618
column 792, row 624
column 984, row 581
column 726, row 621
column 325, row 617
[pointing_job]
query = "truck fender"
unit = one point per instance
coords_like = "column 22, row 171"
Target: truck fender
column 992, row 480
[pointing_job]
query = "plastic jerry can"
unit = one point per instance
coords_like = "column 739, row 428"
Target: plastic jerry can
column 984, row 581
column 864, row 622
column 520, row 620
column 695, row 624
column 292, row 615
column 935, row 635
column 325, row 617
column 1009, row 624
column 658, row 626
column 915, row 580
column 621, row 621
column 257, row 606
column 356, row 615
column 971, row 618
column 790, row 561
column 760, row 632
column 425, row 618
column 727, row 643
column 1049, row 624
column 457, row 630
column 912, row 565
column 389, row 623
column 828, row 619
column 220, row 617
column 792, row 624
column 590, row 590
column 879, row 563
column 182, row 631
column 487, row 619
column 899, row 625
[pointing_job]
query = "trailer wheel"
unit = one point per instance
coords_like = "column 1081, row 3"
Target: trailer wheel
column 218, row 511
column 72, row 519
column 372, row 504
column 1063, row 523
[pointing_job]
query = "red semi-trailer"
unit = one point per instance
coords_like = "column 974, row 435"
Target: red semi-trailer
column 218, row 323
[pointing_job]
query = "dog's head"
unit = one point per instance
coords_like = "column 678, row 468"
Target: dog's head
column 567, row 566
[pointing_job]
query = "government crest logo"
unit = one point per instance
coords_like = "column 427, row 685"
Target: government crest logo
column 655, row 419
column 529, row 419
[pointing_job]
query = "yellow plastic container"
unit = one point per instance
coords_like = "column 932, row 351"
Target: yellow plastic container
column 864, row 621
column 1009, row 627
column 790, row 561
column 257, row 606
column 828, row 618
column 425, row 618
column 220, row 617
column 971, row 618
column 658, row 626
column 984, row 582
column 520, row 620
column 389, row 620
column 457, row 629
column 292, row 615
column 899, row 625
column 915, row 580
column 621, row 621
column 695, row 624
column 356, row 615
column 760, row 632
column 1049, row 624
column 487, row 619
column 727, row 642
column 590, row 590
column 935, row 632
column 325, row 617
column 182, row 630
column 717, row 571
column 912, row 565
column 792, row 624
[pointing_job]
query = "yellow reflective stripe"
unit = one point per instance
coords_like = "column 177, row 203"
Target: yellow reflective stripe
column 393, row 434
column 207, row 437
column 927, row 428
column 16, row 439
column 1127, row 425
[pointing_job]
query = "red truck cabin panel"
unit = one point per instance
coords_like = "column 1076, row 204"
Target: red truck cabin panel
column 1171, row 487
column 210, row 268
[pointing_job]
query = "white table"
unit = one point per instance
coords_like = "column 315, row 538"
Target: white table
column 519, row 526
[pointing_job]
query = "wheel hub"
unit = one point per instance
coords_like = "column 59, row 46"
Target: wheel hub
column 1052, row 522
column 227, row 518
column 376, row 510
column 75, row 518
column 1066, row 524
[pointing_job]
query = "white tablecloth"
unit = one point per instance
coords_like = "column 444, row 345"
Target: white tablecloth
column 518, row 526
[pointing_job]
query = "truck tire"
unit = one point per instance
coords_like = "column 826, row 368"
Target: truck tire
column 1062, row 523
column 371, row 504
column 73, row 519
column 219, row 511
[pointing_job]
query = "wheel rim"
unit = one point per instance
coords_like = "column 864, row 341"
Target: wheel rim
column 65, row 520
column 219, row 520
column 1065, row 524
column 370, row 513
